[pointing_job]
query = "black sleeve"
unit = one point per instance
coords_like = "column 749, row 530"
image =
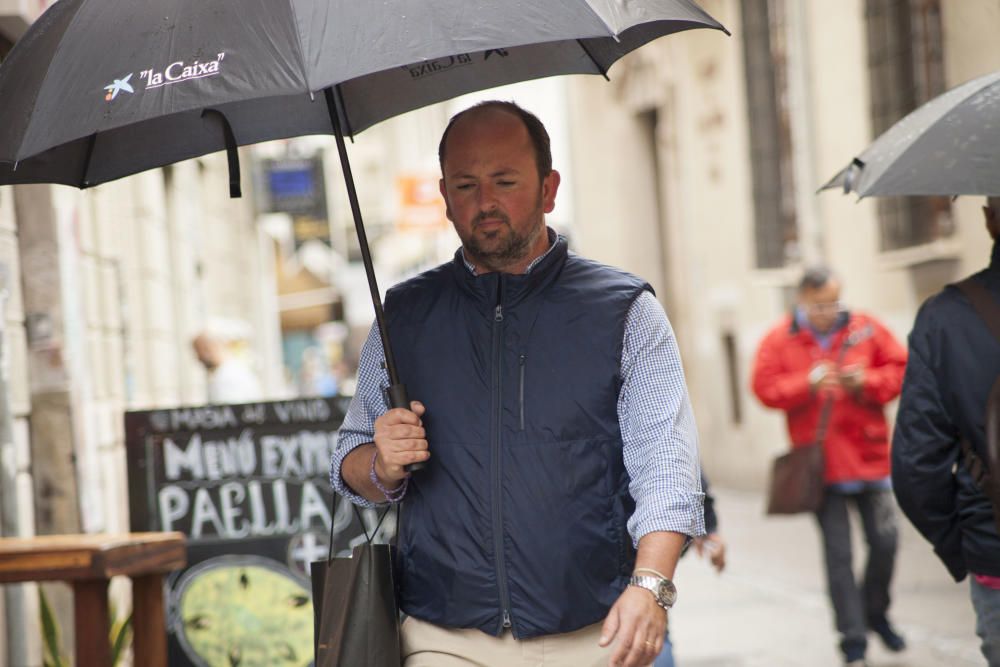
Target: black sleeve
column 711, row 519
column 925, row 451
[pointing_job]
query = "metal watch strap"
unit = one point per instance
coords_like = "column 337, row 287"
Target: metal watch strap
column 653, row 585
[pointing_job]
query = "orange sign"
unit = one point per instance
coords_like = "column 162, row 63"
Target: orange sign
column 420, row 204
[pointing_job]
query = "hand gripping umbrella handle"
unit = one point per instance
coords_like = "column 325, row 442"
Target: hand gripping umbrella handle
column 399, row 399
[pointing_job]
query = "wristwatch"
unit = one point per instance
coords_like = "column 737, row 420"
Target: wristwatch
column 662, row 589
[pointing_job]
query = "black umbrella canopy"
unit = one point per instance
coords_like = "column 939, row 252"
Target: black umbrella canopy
column 948, row 146
column 100, row 89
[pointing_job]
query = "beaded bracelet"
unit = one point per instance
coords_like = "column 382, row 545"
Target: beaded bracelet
column 391, row 495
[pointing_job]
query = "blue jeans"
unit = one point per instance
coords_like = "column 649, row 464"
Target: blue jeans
column 666, row 657
column 986, row 602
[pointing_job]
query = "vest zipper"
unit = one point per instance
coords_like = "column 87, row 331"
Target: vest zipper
column 495, row 446
column 520, row 394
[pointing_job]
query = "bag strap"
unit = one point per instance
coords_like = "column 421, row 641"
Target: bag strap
column 853, row 338
column 824, row 420
column 361, row 522
column 984, row 303
column 333, row 518
column 378, row 525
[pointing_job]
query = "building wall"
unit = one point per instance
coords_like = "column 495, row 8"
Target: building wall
column 101, row 292
column 704, row 229
column 17, row 509
column 692, row 235
column 13, row 366
column 161, row 254
column 117, row 280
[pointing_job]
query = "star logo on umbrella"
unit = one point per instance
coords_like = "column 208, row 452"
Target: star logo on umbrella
column 118, row 86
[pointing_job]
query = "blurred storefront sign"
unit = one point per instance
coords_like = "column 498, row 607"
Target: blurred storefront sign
column 249, row 487
column 421, row 207
column 297, row 187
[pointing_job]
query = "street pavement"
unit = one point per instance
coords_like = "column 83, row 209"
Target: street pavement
column 769, row 607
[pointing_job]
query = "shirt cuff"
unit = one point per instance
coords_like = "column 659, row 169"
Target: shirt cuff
column 681, row 513
column 345, row 447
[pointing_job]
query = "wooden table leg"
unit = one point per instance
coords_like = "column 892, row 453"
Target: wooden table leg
column 90, row 620
column 149, row 621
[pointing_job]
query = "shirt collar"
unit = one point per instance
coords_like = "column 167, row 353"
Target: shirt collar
column 535, row 262
column 801, row 323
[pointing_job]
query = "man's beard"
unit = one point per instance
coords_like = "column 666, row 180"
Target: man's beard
column 512, row 248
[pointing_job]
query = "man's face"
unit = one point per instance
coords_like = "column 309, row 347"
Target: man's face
column 822, row 305
column 208, row 350
column 495, row 197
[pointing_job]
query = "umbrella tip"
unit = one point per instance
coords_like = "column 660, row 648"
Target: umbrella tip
column 853, row 172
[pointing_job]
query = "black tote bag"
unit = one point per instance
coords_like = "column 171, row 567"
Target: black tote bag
column 356, row 618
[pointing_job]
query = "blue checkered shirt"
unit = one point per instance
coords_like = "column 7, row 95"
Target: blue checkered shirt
column 654, row 412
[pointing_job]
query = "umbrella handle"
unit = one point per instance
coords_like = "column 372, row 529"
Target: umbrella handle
column 398, row 398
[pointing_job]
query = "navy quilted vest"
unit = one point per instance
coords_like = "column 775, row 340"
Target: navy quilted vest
column 520, row 515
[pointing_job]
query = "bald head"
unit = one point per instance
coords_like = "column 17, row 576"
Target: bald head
column 499, row 111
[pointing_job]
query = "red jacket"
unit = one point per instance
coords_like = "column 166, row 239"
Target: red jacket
column 857, row 439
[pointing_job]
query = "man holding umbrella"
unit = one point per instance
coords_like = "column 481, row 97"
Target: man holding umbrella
column 954, row 362
column 562, row 468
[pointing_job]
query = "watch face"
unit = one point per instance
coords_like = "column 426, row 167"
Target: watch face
column 667, row 591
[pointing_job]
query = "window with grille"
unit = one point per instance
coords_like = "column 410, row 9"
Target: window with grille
column 766, row 73
column 905, row 69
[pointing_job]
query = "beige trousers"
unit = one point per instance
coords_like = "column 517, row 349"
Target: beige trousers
column 428, row 645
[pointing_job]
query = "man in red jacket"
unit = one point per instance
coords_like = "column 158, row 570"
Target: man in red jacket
column 832, row 372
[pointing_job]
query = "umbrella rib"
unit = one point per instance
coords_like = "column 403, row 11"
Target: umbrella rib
column 91, row 142
column 600, row 68
column 48, row 66
column 302, row 51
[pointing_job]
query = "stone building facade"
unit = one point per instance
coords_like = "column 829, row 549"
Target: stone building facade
column 698, row 166
column 102, row 291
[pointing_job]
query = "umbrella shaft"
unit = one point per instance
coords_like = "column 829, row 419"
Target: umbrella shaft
column 359, row 226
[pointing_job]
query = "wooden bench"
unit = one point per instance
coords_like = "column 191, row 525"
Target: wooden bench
column 87, row 563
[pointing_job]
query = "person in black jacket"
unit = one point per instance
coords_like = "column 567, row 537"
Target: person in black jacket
column 954, row 361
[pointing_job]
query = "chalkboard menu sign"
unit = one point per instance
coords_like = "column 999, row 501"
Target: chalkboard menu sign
column 249, row 486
